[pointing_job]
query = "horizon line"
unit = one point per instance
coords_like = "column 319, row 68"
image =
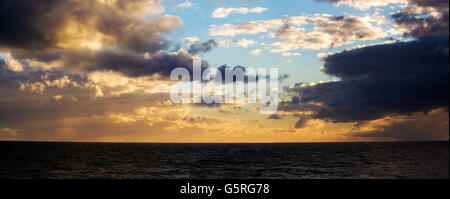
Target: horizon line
column 110, row 142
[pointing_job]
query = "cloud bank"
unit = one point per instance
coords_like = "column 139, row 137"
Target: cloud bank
column 91, row 35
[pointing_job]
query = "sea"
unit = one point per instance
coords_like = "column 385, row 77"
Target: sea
column 68, row 160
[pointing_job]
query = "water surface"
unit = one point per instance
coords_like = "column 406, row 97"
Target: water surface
column 167, row 161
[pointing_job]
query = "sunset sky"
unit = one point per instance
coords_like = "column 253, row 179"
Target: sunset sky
column 98, row 70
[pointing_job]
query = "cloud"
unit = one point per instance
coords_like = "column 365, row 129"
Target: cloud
column 430, row 126
column 274, row 117
column 424, row 18
column 376, row 81
column 423, row 55
column 8, row 133
column 91, row 35
column 302, row 122
column 420, row 18
column 97, row 84
column 244, row 43
column 186, row 4
column 66, row 24
column 256, row 52
column 328, row 31
column 247, row 77
column 69, row 109
column 199, row 47
column 12, row 64
column 224, row 12
column 132, row 64
column 225, row 43
column 192, row 39
column 289, row 54
column 364, row 4
column 232, row 30
column 60, row 105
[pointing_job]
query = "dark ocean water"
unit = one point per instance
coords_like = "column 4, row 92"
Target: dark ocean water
column 303, row 160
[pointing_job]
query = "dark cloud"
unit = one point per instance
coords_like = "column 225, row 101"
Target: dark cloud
column 199, row 47
column 247, row 77
column 301, row 122
column 29, row 27
column 432, row 126
column 90, row 35
column 274, row 117
column 376, row 81
column 402, row 78
column 438, row 4
column 419, row 20
column 136, row 65
column 398, row 59
column 40, row 25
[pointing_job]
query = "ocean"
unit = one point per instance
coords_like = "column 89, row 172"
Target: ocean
column 42, row 160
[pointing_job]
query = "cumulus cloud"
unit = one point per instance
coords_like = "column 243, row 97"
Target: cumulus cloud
column 47, row 105
column 424, row 18
column 186, row 4
column 420, row 18
column 238, row 29
column 97, row 84
column 380, row 80
column 245, row 43
column 133, row 64
column 328, row 31
column 91, row 35
column 224, row 12
column 64, row 24
column 12, row 64
column 199, row 47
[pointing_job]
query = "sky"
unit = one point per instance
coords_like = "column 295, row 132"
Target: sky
column 98, row 70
